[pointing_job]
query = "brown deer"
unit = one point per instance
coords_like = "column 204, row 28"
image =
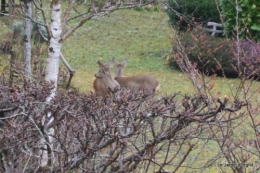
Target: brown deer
column 146, row 82
column 104, row 84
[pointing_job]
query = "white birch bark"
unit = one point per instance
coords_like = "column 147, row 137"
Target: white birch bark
column 27, row 40
column 52, row 67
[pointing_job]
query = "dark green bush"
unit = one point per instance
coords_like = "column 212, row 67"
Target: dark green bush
column 247, row 19
column 35, row 32
column 18, row 32
column 185, row 13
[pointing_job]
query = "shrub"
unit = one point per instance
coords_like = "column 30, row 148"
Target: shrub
column 184, row 13
column 209, row 54
column 249, row 57
column 119, row 133
column 35, row 32
column 248, row 18
column 18, row 32
column 219, row 56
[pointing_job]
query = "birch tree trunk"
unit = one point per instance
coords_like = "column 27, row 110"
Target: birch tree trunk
column 52, row 70
column 52, row 67
column 27, row 39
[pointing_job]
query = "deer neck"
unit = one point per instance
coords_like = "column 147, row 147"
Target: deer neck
column 111, row 83
column 119, row 73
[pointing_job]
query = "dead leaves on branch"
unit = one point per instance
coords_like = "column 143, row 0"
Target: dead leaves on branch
column 111, row 133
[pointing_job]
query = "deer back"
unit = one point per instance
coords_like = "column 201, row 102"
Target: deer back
column 134, row 83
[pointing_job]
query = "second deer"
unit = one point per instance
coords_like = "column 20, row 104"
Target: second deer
column 104, row 84
column 146, row 82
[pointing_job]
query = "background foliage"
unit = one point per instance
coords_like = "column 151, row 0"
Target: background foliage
column 247, row 18
column 185, row 13
column 209, row 54
column 219, row 56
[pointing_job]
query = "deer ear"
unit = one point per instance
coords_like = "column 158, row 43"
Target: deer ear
column 115, row 61
column 102, row 67
column 124, row 62
column 109, row 65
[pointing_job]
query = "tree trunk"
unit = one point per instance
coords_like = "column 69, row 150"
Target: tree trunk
column 27, row 39
column 52, row 68
column 11, row 7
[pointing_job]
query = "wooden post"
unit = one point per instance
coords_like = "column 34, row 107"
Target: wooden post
column 71, row 71
column 11, row 7
column 12, row 62
column 214, row 30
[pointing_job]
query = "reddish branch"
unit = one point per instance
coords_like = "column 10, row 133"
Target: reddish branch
column 94, row 134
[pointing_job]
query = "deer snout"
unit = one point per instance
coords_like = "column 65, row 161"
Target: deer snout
column 98, row 74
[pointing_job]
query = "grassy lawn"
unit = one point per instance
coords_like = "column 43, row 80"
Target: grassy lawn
column 129, row 34
column 140, row 37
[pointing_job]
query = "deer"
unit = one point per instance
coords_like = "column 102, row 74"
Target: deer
column 146, row 82
column 104, row 84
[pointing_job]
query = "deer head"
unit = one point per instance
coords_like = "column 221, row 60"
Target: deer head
column 104, row 84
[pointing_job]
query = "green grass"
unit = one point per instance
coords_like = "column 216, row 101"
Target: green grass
column 5, row 26
column 140, row 37
column 129, row 34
